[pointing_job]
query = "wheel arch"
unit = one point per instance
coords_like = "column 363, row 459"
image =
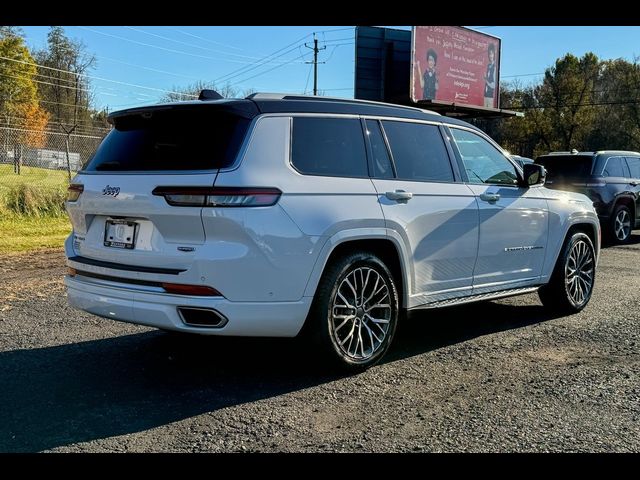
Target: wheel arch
column 590, row 226
column 628, row 202
column 376, row 241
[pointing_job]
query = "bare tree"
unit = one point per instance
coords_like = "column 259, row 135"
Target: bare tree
column 191, row 91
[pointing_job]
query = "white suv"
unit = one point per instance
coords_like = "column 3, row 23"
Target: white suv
column 264, row 215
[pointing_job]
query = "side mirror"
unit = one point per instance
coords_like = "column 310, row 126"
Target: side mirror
column 533, row 174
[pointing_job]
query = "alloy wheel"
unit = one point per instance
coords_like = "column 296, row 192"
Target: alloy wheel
column 622, row 225
column 579, row 272
column 361, row 313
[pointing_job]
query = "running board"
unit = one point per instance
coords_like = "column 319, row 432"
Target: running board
column 478, row 298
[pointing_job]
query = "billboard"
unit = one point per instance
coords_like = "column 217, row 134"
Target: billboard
column 455, row 64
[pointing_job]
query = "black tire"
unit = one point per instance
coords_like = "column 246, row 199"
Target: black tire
column 328, row 336
column 618, row 233
column 571, row 296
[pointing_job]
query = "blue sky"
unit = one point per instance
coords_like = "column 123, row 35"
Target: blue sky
column 134, row 64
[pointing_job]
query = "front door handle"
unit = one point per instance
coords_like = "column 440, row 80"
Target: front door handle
column 399, row 196
column 490, row 197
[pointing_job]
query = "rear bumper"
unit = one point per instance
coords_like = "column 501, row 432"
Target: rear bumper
column 160, row 310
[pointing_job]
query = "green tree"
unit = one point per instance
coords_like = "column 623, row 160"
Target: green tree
column 63, row 64
column 567, row 95
column 573, row 107
column 17, row 74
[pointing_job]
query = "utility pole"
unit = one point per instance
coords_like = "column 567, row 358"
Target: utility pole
column 315, row 62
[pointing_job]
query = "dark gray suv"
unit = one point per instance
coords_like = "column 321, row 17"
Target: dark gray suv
column 611, row 178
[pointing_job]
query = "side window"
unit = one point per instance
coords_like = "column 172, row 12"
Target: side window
column 634, row 166
column 418, row 151
column 381, row 161
column 482, row 161
column 331, row 147
column 615, row 167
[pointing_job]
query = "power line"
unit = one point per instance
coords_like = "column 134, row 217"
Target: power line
column 69, row 87
column 597, row 104
column 334, row 49
column 45, row 83
column 49, row 132
column 258, row 63
column 136, row 94
column 190, row 44
column 125, row 104
column 522, row 75
column 247, row 70
column 146, row 44
column 336, row 30
column 80, row 129
column 337, row 39
column 74, row 88
column 93, row 76
column 171, row 50
column 148, row 68
column 271, row 69
column 297, row 46
column 205, row 39
column 80, row 123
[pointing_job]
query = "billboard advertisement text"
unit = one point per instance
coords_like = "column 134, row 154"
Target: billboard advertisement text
column 455, row 64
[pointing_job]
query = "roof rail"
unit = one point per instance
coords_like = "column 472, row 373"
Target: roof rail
column 288, row 96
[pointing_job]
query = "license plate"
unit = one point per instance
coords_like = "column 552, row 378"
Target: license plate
column 120, row 234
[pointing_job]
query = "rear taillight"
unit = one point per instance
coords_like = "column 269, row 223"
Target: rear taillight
column 219, row 196
column 73, row 192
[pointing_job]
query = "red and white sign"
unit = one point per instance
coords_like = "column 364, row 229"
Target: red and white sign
column 455, row 64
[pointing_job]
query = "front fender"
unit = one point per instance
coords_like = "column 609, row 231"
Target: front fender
column 563, row 215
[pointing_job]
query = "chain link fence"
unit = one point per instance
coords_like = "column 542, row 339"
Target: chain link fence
column 34, row 180
column 57, row 157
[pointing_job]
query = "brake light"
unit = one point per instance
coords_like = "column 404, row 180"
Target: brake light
column 182, row 289
column 73, row 192
column 219, row 196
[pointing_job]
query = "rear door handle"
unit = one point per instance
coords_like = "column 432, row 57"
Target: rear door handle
column 633, row 184
column 399, row 196
column 490, row 197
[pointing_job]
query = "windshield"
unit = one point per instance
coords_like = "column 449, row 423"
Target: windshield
column 186, row 139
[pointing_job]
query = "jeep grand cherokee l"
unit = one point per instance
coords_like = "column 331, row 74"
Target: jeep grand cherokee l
column 281, row 215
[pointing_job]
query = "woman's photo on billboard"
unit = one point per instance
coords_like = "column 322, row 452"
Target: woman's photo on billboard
column 490, row 77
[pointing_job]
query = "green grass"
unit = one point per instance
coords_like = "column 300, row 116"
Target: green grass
column 32, row 214
column 21, row 233
column 33, row 176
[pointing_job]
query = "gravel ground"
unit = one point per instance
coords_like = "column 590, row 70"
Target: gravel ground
column 488, row 377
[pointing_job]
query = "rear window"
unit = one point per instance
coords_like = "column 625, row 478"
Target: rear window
column 329, row 147
column 566, row 165
column 187, row 139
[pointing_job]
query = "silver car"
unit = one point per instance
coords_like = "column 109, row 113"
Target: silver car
column 281, row 215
